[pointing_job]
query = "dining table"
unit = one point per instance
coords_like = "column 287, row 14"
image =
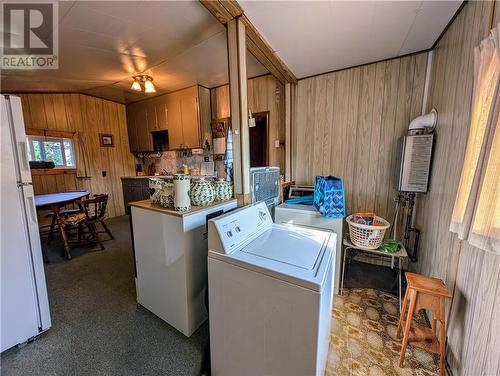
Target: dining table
column 56, row 201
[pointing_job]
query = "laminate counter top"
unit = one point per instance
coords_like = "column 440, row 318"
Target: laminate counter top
column 146, row 204
column 148, row 176
column 193, row 177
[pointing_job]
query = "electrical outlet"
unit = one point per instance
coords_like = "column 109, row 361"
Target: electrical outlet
column 104, row 173
column 276, row 143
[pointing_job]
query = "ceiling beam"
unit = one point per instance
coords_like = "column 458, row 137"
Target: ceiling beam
column 222, row 11
column 226, row 10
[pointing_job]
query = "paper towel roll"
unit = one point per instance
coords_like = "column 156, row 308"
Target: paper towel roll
column 219, row 145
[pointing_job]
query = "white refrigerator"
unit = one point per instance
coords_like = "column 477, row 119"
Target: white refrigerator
column 24, row 303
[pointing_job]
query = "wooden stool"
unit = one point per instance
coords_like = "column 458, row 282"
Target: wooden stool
column 424, row 293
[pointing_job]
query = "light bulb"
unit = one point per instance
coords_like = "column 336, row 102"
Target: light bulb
column 149, row 87
column 136, row 86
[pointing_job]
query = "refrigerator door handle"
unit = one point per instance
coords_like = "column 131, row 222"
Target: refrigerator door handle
column 32, row 209
column 24, row 155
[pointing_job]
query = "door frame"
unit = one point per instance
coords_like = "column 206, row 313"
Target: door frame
column 266, row 150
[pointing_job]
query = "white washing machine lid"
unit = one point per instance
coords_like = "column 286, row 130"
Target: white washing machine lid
column 298, row 255
column 289, row 245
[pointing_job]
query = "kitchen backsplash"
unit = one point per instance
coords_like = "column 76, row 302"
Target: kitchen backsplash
column 171, row 161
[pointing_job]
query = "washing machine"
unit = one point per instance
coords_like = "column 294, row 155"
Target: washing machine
column 307, row 215
column 270, row 295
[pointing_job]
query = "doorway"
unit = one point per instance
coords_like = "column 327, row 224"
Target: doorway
column 259, row 136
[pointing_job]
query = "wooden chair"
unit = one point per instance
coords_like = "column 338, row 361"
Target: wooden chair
column 429, row 293
column 101, row 220
column 92, row 211
column 53, row 224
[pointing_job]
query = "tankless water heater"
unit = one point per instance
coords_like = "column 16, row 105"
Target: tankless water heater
column 414, row 163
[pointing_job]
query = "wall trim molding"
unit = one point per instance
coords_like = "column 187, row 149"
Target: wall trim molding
column 59, row 92
column 448, row 25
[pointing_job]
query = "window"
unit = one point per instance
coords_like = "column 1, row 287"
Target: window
column 54, row 149
column 476, row 214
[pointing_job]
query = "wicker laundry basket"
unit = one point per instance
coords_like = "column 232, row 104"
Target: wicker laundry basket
column 367, row 236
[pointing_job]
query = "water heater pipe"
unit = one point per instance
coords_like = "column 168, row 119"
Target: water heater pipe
column 428, row 121
column 428, row 72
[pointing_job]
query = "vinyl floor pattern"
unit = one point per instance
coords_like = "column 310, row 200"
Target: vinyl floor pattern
column 363, row 338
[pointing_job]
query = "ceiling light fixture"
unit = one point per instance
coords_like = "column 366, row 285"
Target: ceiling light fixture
column 149, row 87
column 136, row 85
column 143, row 82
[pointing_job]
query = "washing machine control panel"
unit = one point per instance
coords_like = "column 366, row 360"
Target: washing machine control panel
column 240, row 225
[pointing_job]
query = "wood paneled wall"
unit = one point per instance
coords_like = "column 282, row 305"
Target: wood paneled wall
column 474, row 325
column 496, row 19
column 220, row 102
column 90, row 116
column 265, row 93
column 347, row 125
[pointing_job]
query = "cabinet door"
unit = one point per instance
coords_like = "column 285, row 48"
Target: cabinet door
column 144, row 139
column 161, row 113
column 145, row 189
column 205, row 115
column 190, row 120
column 138, row 133
column 150, row 108
column 175, row 139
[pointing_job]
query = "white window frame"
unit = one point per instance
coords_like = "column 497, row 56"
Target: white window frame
column 61, row 140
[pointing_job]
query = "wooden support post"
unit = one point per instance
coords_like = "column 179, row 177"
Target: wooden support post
column 289, row 119
column 236, row 45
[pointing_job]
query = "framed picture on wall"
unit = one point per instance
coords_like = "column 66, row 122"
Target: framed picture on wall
column 106, row 140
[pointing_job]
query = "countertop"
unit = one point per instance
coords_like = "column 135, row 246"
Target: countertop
column 146, row 204
column 147, row 177
column 165, row 177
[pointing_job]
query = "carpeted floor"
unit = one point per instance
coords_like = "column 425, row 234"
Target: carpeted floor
column 363, row 338
column 97, row 326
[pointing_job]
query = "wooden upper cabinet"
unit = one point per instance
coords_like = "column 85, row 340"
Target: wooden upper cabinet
column 205, row 115
column 152, row 121
column 190, row 118
column 177, row 112
column 175, row 137
column 139, row 136
column 161, row 113
column 144, row 139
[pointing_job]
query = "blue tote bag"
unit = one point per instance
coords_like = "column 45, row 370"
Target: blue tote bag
column 329, row 197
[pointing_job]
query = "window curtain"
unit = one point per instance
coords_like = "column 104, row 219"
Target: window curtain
column 82, row 156
column 476, row 214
